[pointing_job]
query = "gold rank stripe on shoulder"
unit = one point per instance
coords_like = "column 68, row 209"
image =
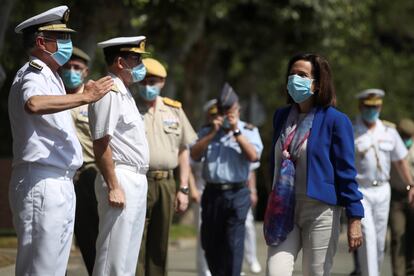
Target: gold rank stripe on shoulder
column 171, row 102
column 389, row 124
column 115, row 88
column 35, row 65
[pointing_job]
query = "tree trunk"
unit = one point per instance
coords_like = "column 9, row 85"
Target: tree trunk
column 6, row 7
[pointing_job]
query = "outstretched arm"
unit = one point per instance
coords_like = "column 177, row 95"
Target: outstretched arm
column 47, row 104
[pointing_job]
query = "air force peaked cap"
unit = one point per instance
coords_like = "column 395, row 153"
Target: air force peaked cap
column 53, row 20
column 227, row 98
column 133, row 44
column 154, row 67
column 371, row 97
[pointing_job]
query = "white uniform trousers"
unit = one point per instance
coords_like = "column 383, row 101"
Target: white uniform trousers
column 316, row 231
column 250, row 248
column 42, row 200
column 376, row 204
column 120, row 230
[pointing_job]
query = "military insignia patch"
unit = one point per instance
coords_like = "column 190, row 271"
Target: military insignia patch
column 142, row 45
column 35, row 65
column 249, row 126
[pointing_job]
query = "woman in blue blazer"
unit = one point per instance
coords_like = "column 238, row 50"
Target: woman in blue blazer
column 313, row 174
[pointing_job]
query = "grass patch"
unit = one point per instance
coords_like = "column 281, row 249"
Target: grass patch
column 8, row 242
column 180, row 231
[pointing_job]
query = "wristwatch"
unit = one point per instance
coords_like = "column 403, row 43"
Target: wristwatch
column 236, row 132
column 185, row 190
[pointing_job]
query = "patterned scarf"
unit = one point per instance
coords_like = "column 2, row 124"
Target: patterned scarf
column 280, row 211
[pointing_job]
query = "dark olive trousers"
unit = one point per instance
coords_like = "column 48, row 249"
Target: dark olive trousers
column 152, row 259
column 86, row 216
column 402, row 229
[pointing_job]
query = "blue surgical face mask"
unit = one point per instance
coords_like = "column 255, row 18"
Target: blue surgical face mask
column 71, row 78
column 226, row 123
column 408, row 142
column 63, row 52
column 138, row 72
column 299, row 88
column 149, row 92
column 370, row 114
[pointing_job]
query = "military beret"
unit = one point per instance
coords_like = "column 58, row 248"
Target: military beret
column 133, row 44
column 371, row 97
column 227, row 98
column 53, row 20
column 78, row 53
column 154, row 67
column 406, row 126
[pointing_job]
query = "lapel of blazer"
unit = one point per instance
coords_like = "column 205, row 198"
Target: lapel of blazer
column 283, row 115
column 316, row 125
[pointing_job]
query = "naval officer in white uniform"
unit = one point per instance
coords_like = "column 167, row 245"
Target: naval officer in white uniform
column 46, row 151
column 122, row 155
column 377, row 146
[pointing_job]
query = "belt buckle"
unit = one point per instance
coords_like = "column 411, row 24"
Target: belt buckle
column 225, row 187
column 159, row 175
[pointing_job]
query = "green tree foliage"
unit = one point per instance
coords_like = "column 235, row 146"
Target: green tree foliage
column 204, row 43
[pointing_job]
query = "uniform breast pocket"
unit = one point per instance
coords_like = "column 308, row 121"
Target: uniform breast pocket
column 172, row 128
column 362, row 146
column 129, row 121
column 385, row 145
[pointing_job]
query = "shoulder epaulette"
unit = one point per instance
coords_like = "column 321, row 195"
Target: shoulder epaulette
column 389, row 124
column 35, row 65
column 249, row 126
column 171, row 102
column 115, row 88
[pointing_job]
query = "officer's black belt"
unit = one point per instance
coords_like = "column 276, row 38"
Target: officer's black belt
column 160, row 174
column 87, row 165
column 226, row 186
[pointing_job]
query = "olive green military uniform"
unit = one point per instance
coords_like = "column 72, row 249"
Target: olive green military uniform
column 402, row 223
column 86, row 216
column 168, row 130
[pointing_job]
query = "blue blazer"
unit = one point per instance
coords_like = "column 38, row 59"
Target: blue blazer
column 330, row 159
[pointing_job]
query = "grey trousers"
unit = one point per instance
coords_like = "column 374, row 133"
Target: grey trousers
column 316, row 232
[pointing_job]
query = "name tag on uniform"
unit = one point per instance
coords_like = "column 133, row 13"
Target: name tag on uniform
column 171, row 123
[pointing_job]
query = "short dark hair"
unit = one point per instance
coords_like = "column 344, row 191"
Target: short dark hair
column 29, row 40
column 112, row 52
column 325, row 94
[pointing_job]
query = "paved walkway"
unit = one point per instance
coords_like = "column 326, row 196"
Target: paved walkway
column 182, row 259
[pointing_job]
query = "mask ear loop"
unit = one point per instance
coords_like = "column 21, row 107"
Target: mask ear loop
column 50, row 39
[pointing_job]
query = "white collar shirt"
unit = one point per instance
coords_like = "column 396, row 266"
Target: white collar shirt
column 48, row 139
column 116, row 115
column 375, row 149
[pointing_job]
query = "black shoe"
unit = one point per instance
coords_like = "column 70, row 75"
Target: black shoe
column 355, row 273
